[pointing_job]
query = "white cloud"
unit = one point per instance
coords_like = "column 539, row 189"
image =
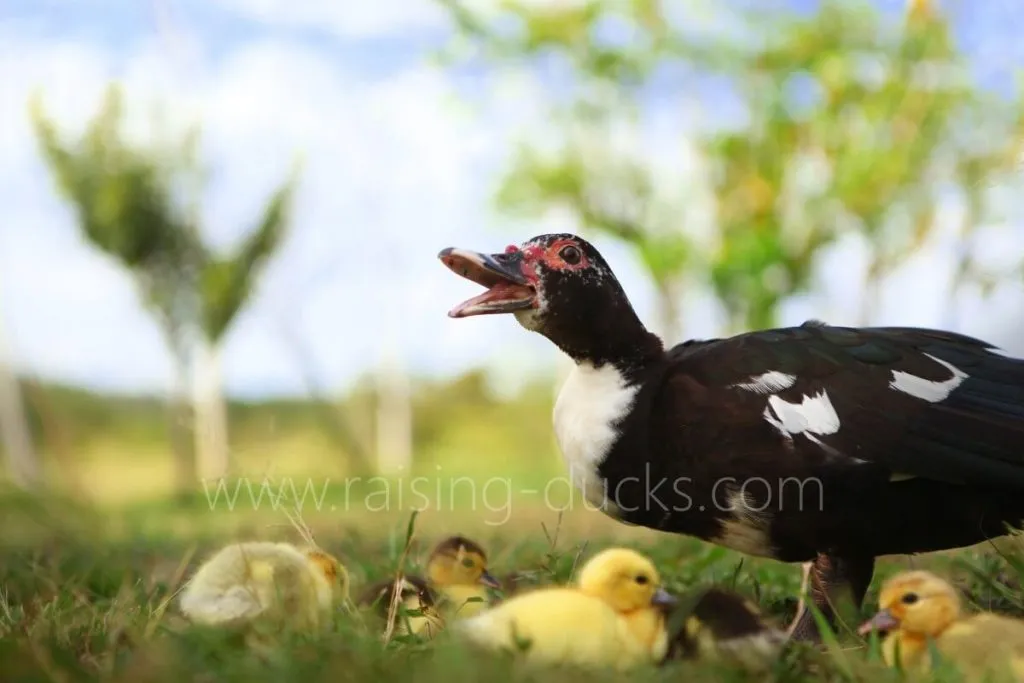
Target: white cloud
column 345, row 19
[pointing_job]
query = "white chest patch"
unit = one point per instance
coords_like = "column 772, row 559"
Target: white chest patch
column 924, row 389
column 767, row 383
column 813, row 415
column 591, row 401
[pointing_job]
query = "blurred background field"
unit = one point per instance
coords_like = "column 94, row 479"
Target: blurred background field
column 217, row 253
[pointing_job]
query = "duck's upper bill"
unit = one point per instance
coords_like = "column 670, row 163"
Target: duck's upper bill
column 508, row 286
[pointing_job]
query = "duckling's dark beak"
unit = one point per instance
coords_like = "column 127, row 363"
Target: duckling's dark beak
column 662, row 598
column 508, row 288
column 489, row 581
column 883, row 621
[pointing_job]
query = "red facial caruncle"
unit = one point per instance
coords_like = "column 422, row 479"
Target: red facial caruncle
column 557, row 257
column 553, row 256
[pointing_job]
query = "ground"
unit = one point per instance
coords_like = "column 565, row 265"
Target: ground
column 88, row 596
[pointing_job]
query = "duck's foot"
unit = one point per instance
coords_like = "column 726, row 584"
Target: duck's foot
column 825, row 579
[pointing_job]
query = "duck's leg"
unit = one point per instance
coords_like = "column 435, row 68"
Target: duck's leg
column 824, row 580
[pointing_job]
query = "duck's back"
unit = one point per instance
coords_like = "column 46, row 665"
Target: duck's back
column 985, row 643
column 557, row 625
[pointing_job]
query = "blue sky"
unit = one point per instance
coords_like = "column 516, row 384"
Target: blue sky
column 398, row 166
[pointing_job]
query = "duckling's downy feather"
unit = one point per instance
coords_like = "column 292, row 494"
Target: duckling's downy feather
column 415, row 595
column 717, row 624
column 575, row 628
column 611, row 617
column 244, row 581
column 977, row 644
column 922, row 610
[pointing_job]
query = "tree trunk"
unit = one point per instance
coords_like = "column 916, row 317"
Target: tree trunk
column 332, row 417
column 22, row 463
column 667, row 301
column 179, row 421
column 394, row 417
column 870, row 297
column 211, row 415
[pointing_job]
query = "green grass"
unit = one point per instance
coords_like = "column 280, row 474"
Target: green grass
column 87, row 596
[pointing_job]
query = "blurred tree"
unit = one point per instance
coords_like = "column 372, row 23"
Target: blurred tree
column 23, row 467
column 140, row 207
column 225, row 285
column 845, row 124
column 124, row 200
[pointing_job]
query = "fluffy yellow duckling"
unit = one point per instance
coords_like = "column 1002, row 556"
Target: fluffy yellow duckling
column 917, row 607
column 455, row 587
column 272, row 584
column 716, row 625
column 612, row 617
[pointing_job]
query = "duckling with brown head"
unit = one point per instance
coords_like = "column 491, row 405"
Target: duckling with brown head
column 455, row 586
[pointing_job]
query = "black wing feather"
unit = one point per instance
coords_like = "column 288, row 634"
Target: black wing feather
column 973, row 435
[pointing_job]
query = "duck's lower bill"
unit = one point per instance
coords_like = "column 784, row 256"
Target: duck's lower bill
column 508, row 289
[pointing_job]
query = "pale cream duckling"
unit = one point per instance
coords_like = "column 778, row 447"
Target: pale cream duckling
column 613, row 616
column 273, row 585
column 455, row 587
column 918, row 607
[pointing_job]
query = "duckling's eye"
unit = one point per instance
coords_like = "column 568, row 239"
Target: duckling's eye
column 570, row 255
column 467, row 563
column 909, row 599
column 641, row 579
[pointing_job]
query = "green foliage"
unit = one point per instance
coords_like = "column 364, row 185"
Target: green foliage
column 226, row 283
column 121, row 194
column 850, row 124
column 129, row 205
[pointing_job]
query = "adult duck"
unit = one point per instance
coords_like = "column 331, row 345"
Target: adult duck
column 816, row 444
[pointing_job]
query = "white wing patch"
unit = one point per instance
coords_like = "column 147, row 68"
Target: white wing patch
column 813, row 415
column 591, row 401
column 767, row 383
column 924, row 389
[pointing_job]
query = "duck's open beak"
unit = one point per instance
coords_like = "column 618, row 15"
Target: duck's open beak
column 883, row 621
column 489, row 581
column 662, row 598
column 508, row 288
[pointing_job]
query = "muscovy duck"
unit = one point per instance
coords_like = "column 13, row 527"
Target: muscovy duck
column 817, row 444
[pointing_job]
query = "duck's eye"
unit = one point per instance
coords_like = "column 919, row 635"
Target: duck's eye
column 467, row 563
column 571, row 255
column 641, row 579
column 910, row 598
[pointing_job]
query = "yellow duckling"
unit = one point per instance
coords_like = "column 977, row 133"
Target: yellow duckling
column 612, row 617
column 455, row 587
column 274, row 584
column 716, row 625
column 917, row 607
